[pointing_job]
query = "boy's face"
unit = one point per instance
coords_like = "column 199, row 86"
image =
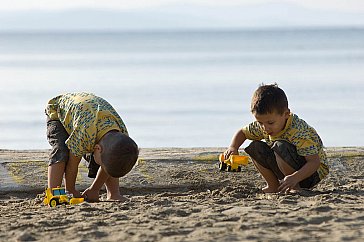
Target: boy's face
column 97, row 155
column 272, row 123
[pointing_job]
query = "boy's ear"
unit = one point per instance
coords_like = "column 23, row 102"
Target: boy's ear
column 287, row 112
column 98, row 148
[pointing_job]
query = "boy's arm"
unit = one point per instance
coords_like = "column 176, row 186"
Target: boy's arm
column 236, row 142
column 92, row 193
column 290, row 181
column 71, row 174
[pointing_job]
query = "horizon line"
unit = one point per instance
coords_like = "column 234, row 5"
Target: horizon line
column 186, row 29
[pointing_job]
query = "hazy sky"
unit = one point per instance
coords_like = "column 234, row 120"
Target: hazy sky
column 14, row 5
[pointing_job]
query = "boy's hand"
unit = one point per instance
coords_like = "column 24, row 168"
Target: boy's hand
column 230, row 151
column 288, row 183
column 91, row 195
column 236, row 142
column 291, row 182
column 75, row 193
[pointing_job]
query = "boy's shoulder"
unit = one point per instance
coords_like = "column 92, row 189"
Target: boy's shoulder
column 80, row 99
column 301, row 130
column 297, row 128
column 78, row 96
column 298, row 123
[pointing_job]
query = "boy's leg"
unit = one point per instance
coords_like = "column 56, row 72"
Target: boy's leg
column 113, row 189
column 283, row 165
column 269, row 177
column 266, row 164
column 55, row 174
column 57, row 136
column 289, row 161
column 286, row 170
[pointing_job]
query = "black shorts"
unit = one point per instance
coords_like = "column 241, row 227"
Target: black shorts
column 264, row 155
column 57, row 136
column 92, row 166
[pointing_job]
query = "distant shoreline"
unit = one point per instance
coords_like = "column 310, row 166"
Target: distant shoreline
column 177, row 31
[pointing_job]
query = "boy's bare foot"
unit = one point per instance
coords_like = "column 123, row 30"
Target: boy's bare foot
column 268, row 189
column 296, row 189
column 117, row 198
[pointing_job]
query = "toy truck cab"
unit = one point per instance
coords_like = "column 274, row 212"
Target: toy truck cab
column 233, row 163
column 57, row 196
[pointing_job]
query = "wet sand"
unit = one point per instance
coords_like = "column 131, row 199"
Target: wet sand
column 180, row 195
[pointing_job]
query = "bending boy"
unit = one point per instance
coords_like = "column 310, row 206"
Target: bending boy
column 82, row 123
column 292, row 156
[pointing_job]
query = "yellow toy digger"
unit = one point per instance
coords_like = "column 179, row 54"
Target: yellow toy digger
column 58, row 196
column 233, row 163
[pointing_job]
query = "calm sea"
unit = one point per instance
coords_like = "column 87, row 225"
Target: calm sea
column 184, row 89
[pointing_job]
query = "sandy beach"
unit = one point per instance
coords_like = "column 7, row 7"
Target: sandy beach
column 179, row 194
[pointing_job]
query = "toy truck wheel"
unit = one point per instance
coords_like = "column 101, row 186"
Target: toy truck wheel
column 228, row 168
column 222, row 166
column 53, row 202
column 239, row 168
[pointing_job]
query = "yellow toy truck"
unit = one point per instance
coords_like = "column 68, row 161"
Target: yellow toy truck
column 233, row 163
column 58, row 196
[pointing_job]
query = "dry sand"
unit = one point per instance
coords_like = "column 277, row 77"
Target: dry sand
column 180, row 195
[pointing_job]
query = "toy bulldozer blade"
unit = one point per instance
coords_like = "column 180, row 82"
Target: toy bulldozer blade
column 233, row 163
column 75, row 200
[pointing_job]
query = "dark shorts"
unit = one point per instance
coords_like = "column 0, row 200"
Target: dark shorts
column 264, row 155
column 57, row 136
column 92, row 166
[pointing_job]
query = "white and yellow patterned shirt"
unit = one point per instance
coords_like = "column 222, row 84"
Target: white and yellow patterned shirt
column 296, row 132
column 86, row 118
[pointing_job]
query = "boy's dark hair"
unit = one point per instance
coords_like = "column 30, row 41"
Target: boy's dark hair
column 268, row 99
column 119, row 153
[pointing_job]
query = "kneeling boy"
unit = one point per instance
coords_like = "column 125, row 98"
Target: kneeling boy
column 292, row 156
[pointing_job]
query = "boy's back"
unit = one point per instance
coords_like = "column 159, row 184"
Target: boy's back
column 86, row 118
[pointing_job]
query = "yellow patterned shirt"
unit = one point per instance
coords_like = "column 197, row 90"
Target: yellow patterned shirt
column 86, row 118
column 296, row 132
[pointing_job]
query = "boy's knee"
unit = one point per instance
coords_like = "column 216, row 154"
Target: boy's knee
column 256, row 147
column 260, row 152
column 282, row 146
column 288, row 153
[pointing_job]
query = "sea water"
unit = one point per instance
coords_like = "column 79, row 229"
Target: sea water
column 184, row 88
